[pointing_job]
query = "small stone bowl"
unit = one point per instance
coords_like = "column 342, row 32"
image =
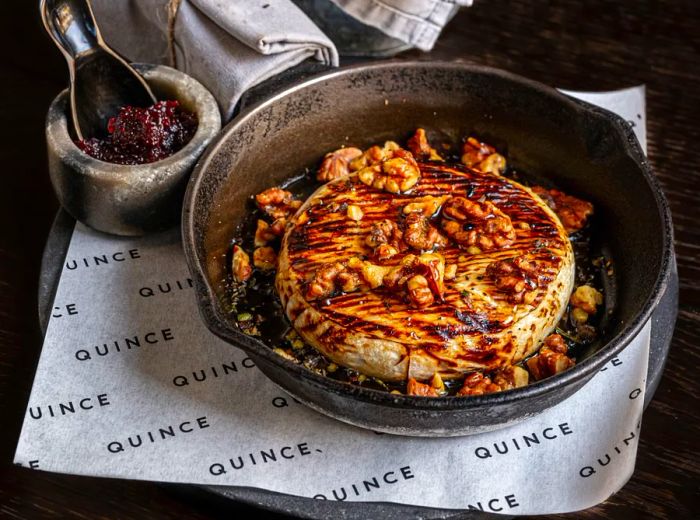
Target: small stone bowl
column 129, row 199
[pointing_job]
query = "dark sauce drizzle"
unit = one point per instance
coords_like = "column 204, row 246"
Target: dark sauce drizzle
column 256, row 308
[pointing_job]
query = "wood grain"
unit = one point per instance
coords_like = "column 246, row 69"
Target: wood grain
column 592, row 45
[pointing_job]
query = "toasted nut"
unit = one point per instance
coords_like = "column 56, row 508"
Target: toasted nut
column 374, row 155
column 431, row 267
column 263, row 234
column 416, row 388
column 355, row 212
column 394, row 175
column 371, row 273
column 578, row 316
column 586, row 298
column 328, row 279
column 482, row 157
column 475, row 223
column 240, row 265
column 572, row 212
column 420, row 147
column 385, row 232
column 478, row 384
column 348, row 281
column 385, row 252
column 419, row 292
column 277, row 203
column 511, row 377
column 556, row 343
column 386, row 240
column 265, row 258
column 278, row 226
column 437, row 383
column 420, row 234
column 518, row 277
column 494, row 163
column 336, row 164
column 426, row 206
column 551, row 359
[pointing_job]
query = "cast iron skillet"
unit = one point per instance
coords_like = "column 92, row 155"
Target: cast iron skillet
column 586, row 150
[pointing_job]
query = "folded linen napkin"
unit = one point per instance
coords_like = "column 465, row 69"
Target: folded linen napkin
column 228, row 46
column 416, row 22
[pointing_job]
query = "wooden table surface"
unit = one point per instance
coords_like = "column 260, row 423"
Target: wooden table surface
column 594, row 45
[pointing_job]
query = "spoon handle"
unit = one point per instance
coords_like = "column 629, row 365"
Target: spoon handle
column 71, row 25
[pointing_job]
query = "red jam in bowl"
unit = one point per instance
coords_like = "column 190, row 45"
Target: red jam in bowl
column 143, row 135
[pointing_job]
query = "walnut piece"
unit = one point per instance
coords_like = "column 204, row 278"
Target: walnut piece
column 431, row 266
column 586, row 298
column 385, row 232
column 511, row 377
column 482, row 157
column 397, row 174
column 551, row 359
column 477, row 224
column 240, row 265
column 518, row 277
column 277, row 203
column 420, row 147
column 417, row 388
column 556, row 343
column 477, row 383
column 506, row 378
column 330, row 279
column 265, row 233
column 421, row 276
column 278, row 226
column 578, row 316
column 336, row 164
column 265, row 258
column 372, row 274
column 385, row 252
column 437, row 383
column 572, row 212
column 354, row 212
column 420, row 234
column 426, row 206
column 374, row 155
column 419, row 291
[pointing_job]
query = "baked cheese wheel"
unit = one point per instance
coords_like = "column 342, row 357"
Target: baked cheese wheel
column 478, row 321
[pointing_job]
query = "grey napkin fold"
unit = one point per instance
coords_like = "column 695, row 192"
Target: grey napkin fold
column 416, row 22
column 230, row 46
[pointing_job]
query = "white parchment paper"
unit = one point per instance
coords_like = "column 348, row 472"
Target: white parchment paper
column 131, row 384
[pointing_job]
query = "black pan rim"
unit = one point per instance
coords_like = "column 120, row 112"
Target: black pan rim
column 217, row 322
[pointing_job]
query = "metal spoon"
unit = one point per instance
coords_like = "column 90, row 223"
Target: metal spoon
column 101, row 81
